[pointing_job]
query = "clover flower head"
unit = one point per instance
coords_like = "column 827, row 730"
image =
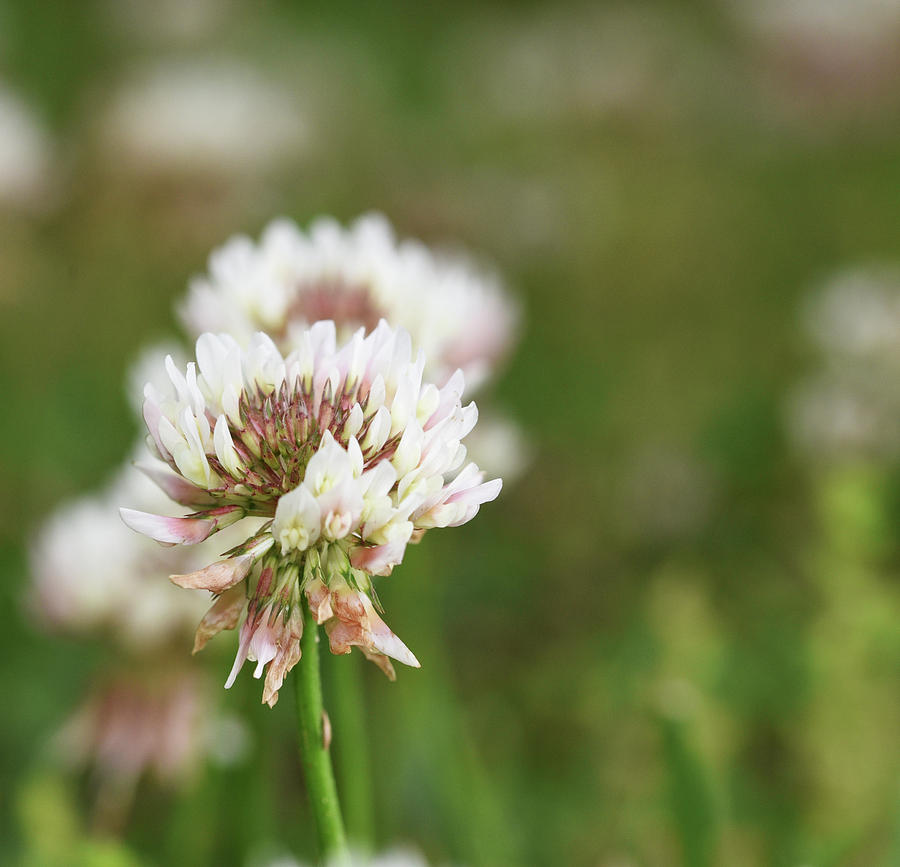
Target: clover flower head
column 345, row 452
column 92, row 578
column 456, row 312
column 129, row 726
column 846, row 407
column 206, row 117
column 25, row 155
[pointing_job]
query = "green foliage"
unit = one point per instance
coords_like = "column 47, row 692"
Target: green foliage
column 602, row 683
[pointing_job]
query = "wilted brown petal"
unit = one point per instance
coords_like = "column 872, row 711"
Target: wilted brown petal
column 217, row 577
column 224, row 614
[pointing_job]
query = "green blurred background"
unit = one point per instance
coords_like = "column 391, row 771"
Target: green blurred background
column 674, row 640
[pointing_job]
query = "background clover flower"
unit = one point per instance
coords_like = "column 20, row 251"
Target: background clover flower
column 847, row 407
column 202, row 117
column 456, row 312
column 94, row 579
column 91, row 577
column 26, row 156
column 345, row 451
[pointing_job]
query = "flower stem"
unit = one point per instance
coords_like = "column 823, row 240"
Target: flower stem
column 314, row 752
column 354, row 769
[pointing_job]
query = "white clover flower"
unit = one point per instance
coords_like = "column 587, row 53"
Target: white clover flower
column 167, row 21
column 345, row 451
column 91, row 577
column 128, row 726
column 458, row 314
column 203, row 116
column 500, row 444
column 398, row 857
column 826, row 58
column 856, row 315
column 848, row 407
column 25, row 154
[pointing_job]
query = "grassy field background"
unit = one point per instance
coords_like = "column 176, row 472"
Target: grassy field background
column 674, row 640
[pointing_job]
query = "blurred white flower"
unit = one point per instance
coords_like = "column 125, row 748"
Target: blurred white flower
column 131, row 725
column 456, row 312
column 850, row 406
column 168, row 20
column 399, row 857
column 93, row 577
column 501, row 445
column 837, row 26
column 855, row 316
column 825, row 57
column 346, row 453
column 25, row 155
column 206, row 117
column 557, row 64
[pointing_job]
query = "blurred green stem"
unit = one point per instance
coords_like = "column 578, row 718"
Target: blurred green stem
column 313, row 746
column 354, row 769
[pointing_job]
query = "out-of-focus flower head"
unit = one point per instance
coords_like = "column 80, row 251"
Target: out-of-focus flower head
column 93, row 578
column 25, row 155
column 456, row 312
column 832, row 56
column 850, row 406
column 203, row 117
column 400, row 857
column 346, row 453
column 499, row 444
column 168, row 21
column 129, row 726
column 558, row 63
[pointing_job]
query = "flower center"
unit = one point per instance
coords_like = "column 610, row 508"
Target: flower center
column 333, row 298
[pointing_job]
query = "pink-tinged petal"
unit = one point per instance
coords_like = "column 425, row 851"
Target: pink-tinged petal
column 240, row 658
column 386, row 642
column 224, row 614
column 174, row 486
column 377, row 559
column 368, row 631
column 286, row 657
column 319, row 598
column 483, row 493
column 169, row 531
column 450, row 396
column 152, row 415
column 218, row 576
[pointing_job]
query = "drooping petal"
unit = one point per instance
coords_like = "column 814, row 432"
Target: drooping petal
column 224, row 614
column 217, row 577
column 319, row 598
column 286, row 657
column 356, row 624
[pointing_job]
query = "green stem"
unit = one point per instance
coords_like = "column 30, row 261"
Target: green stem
column 352, row 762
column 313, row 750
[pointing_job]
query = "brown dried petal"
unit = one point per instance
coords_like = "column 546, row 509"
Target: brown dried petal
column 319, row 598
column 382, row 661
column 286, row 658
column 216, row 577
column 224, row 614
